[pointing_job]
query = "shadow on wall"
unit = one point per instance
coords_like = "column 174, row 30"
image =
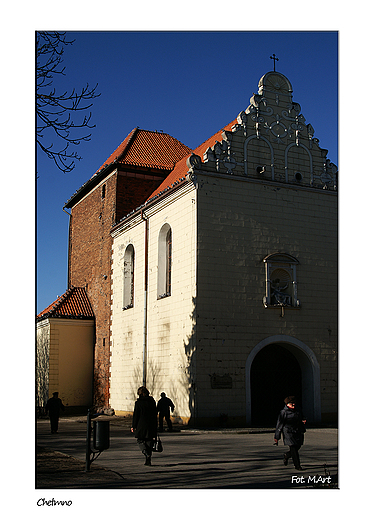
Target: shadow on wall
column 187, row 378
column 185, row 385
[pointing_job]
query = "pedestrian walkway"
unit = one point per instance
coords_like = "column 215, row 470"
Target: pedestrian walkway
column 192, row 459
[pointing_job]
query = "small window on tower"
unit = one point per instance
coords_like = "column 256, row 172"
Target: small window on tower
column 103, row 191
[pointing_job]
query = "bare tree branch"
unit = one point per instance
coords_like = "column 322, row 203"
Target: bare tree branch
column 54, row 112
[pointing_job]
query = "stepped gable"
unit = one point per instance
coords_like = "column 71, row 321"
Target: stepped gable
column 74, row 303
column 268, row 141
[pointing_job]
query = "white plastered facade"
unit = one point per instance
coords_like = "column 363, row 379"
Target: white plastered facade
column 265, row 191
column 151, row 340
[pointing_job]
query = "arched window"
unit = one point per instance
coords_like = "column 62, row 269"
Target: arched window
column 128, row 297
column 164, row 261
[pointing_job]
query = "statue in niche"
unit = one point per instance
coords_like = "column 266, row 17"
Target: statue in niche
column 278, row 294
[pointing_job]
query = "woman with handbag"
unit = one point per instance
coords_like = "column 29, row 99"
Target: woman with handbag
column 145, row 422
column 291, row 424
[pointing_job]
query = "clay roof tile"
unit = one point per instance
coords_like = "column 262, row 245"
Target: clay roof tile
column 141, row 148
column 180, row 170
column 148, row 149
column 74, row 303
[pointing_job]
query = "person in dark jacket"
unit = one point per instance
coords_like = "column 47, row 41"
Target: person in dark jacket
column 145, row 422
column 53, row 407
column 291, row 424
column 163, row 408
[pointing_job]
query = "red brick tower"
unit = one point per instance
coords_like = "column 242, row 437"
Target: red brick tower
column 128, row 177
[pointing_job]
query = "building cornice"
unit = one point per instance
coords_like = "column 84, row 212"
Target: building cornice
column 265, row 182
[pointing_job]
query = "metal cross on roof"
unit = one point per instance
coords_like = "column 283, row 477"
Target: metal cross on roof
column 273, row 57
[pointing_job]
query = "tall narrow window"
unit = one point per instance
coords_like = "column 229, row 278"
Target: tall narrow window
column 128, row 299
column 165, row 262
column 169, row 261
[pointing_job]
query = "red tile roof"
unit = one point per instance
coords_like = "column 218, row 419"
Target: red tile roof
column 141, row 148
column 180, row 170
column 148, row 149
column 74, row 303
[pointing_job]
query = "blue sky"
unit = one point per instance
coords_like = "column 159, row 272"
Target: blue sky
column 187, row 84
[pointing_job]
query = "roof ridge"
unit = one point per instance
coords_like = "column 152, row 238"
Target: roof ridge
column 159, row 132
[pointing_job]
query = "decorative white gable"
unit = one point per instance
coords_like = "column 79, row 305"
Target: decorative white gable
column 268, row 141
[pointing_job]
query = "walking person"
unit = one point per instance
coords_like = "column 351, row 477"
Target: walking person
column 53, row 407
column 145, row 422
column 291, row 424
column 164, row 404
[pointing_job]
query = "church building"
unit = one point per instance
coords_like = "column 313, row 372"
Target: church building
column 224, row 284
column 212, row 273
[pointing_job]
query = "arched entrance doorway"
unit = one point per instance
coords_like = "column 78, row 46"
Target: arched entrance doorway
column 275, row 374
column 281, row 365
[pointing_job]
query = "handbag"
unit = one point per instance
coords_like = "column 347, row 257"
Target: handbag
column 157, row 445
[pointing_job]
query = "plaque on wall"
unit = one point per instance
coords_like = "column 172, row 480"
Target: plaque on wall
column 224, row 381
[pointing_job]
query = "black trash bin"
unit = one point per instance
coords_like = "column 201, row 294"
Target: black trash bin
column 101, row 435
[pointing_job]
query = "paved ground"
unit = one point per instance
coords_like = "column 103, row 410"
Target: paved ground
column 192, row 459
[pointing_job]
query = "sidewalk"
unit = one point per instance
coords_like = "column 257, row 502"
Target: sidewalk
column 201, row 459
column 58, row 470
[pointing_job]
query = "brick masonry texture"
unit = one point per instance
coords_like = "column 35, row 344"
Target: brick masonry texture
column 90, row 256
